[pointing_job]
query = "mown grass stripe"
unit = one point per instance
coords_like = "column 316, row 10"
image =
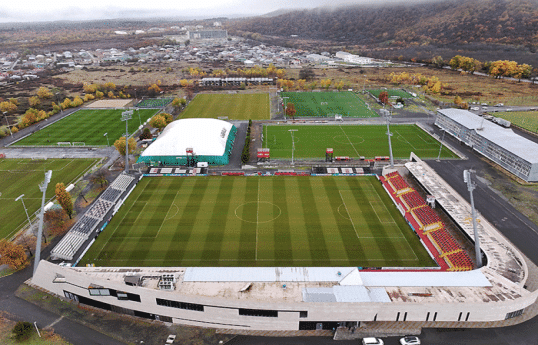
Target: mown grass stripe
column 187, row 222
column 386, row 247
column 351, row 243
column 316, row 238
column 283, row 251
column 247, row 238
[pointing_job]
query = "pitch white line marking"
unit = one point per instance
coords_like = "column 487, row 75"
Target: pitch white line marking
column 349, row 141
column 350, row 218
column 257, row 219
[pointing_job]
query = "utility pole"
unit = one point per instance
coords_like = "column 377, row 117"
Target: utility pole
column 470, row 187
column 285, row 106
column 5, row 115
column 43, row 188
column 292, row 143
column 25, row 210
column 389, row 134
column 126, row 116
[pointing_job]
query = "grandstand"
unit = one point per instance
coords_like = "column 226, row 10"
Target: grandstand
column 86, row 225
column 427, row 224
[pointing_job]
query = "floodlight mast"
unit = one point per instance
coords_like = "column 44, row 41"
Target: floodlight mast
column 285, row 106
column 25, row 210
column 292, row 143
column 43, row 188
column 388, row 115
column 470, row 187
column 126, row 116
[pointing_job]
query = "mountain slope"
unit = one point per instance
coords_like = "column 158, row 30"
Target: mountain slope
column 446, row 22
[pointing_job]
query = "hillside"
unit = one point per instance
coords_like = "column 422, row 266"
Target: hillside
column 445, row 23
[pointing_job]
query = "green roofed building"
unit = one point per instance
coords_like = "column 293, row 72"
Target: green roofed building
column 211, row 141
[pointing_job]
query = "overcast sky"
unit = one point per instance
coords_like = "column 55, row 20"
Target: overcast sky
column 52, row 10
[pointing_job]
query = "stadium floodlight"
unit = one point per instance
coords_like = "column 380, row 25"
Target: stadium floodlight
column 292, row 143
column 5, row 116
column 470, row 187
column 20, row 197
column 388, row 116
column 107, row 142
column 126, row 116
column 43, row 187
column 441, row 148
column 284, row 99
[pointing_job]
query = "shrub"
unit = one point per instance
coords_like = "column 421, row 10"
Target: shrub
column 22, row 331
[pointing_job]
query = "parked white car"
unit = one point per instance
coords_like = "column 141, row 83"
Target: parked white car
column 410, row 340
column 372, row 341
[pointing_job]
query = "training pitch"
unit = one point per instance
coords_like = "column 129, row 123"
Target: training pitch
column 326, row 104
column 258, row 221
column 523, row 119
column 392, row 93
column 311, row 141
column 23, row 176
column 252, row 106
column 88, row 127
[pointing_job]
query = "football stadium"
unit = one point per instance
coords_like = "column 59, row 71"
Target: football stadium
column 302, row 249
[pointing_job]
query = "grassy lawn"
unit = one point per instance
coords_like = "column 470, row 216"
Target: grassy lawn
column 391, row 92
column 22, row 176
column 258, row 221
column 352, row 141
column 323, row 104
column 253, row 106
column 88, row 126
column 524, row 119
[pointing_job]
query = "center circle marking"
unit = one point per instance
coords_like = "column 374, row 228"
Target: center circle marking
column 260, row 214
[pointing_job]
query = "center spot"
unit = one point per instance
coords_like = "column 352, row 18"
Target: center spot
column 257, row 212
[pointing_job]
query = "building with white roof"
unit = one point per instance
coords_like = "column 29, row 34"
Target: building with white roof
column 511, row 151
column 210, row 139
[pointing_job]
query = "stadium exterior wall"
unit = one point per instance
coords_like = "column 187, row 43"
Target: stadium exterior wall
column 220, row 312
column 182, row 160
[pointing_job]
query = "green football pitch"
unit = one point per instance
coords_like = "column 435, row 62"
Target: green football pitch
column 88, row 127
column 369, row 141
column 324, row 104
column 22, row 176
column 252, row 106
column 392, row 93
column 524, row 119
column 258, row 221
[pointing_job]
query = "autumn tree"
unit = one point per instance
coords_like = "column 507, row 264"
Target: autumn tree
column 177, row 103
column 290, row 110
column 154, row 89
column 146, row 134
column 384, row 97
column 7, row 106
column 14, row 101
column 100, row 176
column 158, row 121
column 44, row 92
column 306, row 74
column 12, row 254
column 56, row 222
column 64, row 199
column 438, row 61
column 28, row 242
column 120, row 145
column 34, row 101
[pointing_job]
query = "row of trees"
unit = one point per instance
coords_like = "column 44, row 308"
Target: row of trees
column 251, row 72
column 429, row 84
column 245, row 154
column 496, row 69
column 301, row 84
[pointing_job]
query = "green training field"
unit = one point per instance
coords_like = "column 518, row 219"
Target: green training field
column 252, row 106
column 351, row 140
column 392, row 93
column 87, row 126
column 258, row 221
column 524, row 119
column 22, row 176
column 324, row 104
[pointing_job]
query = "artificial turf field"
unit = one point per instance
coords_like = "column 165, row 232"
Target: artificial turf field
column 258, row 221
column 324, row 104
column 392, row 93
column 253, row 106
column 524, row 119
column 368, row 141
column 88, row 126
column 22, row 176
